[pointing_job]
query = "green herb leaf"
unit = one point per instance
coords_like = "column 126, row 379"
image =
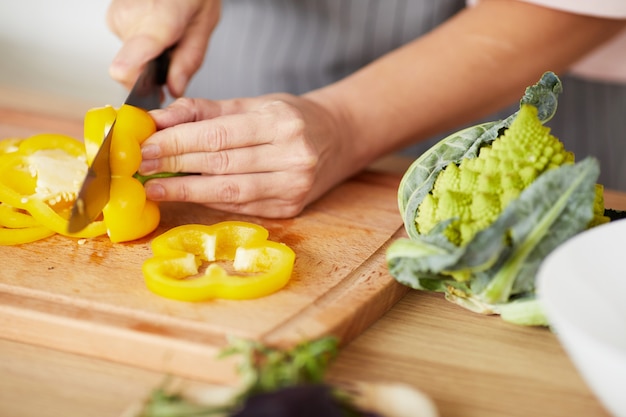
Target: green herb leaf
column 265, row 369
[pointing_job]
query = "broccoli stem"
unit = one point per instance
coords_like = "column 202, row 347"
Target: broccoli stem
column 525, row 312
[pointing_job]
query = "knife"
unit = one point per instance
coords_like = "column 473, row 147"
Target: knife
column 94, row 193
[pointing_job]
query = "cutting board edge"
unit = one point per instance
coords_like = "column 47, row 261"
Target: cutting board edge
column 104, row 341
column 372, row 277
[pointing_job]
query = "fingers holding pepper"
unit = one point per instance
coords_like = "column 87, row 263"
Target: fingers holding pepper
column 261, row 156
column 263, row 194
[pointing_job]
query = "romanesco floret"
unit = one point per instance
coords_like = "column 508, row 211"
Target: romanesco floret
column 476, row 191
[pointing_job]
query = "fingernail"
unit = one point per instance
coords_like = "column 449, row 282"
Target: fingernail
column 118, row 68
column 179, row 85
column 154, row 191
column 148, row 166
column 150, row 151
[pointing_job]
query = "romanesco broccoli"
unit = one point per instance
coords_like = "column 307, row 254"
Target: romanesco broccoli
column 484, row 206
column 477, row 190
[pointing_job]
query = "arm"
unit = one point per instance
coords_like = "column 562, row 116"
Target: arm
column 476, row 63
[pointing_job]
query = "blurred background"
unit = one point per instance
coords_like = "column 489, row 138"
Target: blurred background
column 55, row 56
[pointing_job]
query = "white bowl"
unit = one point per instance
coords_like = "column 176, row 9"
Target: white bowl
column 582, row 288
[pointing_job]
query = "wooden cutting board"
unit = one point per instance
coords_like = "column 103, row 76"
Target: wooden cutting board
column 89, row 297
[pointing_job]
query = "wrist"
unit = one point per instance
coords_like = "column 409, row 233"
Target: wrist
column 354, row 143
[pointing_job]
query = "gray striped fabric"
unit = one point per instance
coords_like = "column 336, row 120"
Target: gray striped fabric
column 591, row 120
column 264, row 46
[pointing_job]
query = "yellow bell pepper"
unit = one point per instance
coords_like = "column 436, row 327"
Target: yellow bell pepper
column 259, row 267
column 17, row 227
column 39, row 179
column 128, row 215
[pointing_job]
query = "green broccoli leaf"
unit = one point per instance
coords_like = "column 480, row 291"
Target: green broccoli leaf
column 544, row 95
column 558, row 205
column 420, row 176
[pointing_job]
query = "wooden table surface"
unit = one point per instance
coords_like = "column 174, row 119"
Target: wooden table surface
column 470, row 365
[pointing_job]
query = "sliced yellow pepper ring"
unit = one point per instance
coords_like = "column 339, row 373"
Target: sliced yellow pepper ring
column 18, row 227
column 260, row 267
column 14, row 218
column 18, row 236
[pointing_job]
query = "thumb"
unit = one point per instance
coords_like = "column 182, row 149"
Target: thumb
column 132, row 57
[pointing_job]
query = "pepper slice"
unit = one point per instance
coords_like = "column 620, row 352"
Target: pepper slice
column 259, row 267
column 37, row 187
column 128, row 214
column 14, row 218
column 18, row 236
column 17, row 227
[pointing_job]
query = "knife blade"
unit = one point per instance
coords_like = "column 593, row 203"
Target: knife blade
column 94, row 194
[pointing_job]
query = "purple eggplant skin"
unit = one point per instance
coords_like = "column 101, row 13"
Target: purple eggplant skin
column 310, row 400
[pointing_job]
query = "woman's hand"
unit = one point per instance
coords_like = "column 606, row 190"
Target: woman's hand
column 267, row 156
column 147, row 27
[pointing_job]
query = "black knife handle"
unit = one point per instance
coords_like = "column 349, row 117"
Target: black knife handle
column 147, row 93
